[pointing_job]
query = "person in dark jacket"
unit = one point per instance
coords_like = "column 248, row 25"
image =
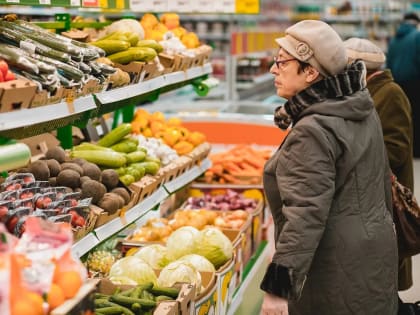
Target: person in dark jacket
column 328, row 186
column 403, row 59
column 394, row 112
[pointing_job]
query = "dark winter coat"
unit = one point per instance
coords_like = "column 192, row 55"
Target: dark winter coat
column 394, row 112
column 328, row 188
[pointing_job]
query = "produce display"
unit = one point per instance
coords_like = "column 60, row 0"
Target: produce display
column 240, row 165
column 158, row 230
column 170, row 131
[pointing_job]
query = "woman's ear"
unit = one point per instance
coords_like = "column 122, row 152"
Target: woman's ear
column 312, row 74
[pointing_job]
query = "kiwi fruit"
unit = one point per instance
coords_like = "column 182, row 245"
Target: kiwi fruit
column 56, row 153
column 78, row 161
column 91, row 170
column 83, row 179
column 123, row 193
column 52, row 181
column 93, row 189
column 109, row 178
column 54, row 167
column 40, row 170
column 69, row 178
column 72, row 166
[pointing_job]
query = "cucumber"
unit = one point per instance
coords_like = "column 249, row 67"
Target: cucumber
column 114, row 310
column 63, row 68
column 125, row 146
column 128, row 301
column 101, row 158
column 172, row 292
column 115, row 135
column 16, row 60
column 103, row 303
column 127, row 179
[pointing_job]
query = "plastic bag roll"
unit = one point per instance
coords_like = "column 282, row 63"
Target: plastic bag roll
column 13, row 156
column 203, row 87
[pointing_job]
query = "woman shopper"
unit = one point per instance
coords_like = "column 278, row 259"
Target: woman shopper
column 328, row 186
column 394, row 111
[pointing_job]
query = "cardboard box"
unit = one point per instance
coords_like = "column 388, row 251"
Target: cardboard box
column 139, row 71
column 206, row 301
column 171, row 63
column 180, row 306
column 90, row 220
column 236, row 237
column 40, row 144
column 200, row 152
column 16, row 94
column 146, row 186
column 81, row 303
column 43, row 98
column 226, row 286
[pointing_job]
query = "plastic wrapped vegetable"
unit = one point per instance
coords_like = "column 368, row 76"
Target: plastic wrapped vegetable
column 178, row 271
column 198, row 262
column 182, row 242
column 133, row 268
column 215, row 246
column 154, row 255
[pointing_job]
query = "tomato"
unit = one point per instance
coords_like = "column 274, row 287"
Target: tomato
column 9, row 76
column 1, row 77
column 4, row 67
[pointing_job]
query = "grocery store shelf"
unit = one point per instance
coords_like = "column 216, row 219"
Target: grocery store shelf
column 133, row 94
column 183, row 179
column 32, row 121
column 137, row 212
column 254, row 267
column 209, row 36
column 84, row 245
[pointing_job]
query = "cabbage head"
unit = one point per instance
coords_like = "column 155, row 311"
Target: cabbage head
column 198, row 262
column 179, row 271
column 133, row 268
column 182, row 242
column 154, row 255
column 215, row 246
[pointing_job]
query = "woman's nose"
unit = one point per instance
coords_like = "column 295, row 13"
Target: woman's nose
column 273, row 69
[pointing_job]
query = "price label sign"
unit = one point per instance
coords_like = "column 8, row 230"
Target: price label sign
column 180, row 5
column 152, row 5
column 75, row 3
column 226, row 6
column 90, row 3
column 45, row 2
column 204, row 6
column 12, row 1
column 247, row 6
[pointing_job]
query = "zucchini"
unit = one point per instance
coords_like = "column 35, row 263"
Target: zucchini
column 132, row 38
column 172, row 292
column 103, row 68
column 151, row 43
column 16, row 60
column 85, row 68
column 125, row 146
column 135, row 157
column 111, row 46
column 115, row 135
column 90, row 146
column 133, row 54
column 102, row 158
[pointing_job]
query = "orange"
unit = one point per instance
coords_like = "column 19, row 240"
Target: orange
column 28, row 303
column 70, row 282
column 37, row 302
column 55, row 296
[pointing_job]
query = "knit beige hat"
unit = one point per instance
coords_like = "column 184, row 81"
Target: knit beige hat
column 368, row 52
column 316, row 43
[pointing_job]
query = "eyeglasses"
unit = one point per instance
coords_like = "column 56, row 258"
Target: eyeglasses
column 279, row 63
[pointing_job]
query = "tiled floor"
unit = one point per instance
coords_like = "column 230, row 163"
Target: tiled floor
column 413, row 294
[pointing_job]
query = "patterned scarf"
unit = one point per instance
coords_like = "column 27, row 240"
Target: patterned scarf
column 334, row 87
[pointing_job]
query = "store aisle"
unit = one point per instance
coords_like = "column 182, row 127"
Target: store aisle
column 413, row 294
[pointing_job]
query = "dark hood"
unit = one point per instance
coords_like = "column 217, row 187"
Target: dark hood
column 404, row 29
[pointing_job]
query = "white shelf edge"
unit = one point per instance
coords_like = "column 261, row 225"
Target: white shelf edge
column 84, row 245
column 237, row 298
column 107, row 230
column 30, row 116
column 144, row 87
column 183, row 179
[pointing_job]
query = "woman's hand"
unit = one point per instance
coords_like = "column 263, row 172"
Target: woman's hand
column 274, row 305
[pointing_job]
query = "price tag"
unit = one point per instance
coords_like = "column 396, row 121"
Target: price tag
column 90, row 3
column 75, row 3
column 70, row 100
column 226, row 6
column 120, row 4
column 204, row 6
column 12, row 1
column 154, row 5
column 180, row 5
column 45, row 2
column 247, row 6
column 136, row 5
